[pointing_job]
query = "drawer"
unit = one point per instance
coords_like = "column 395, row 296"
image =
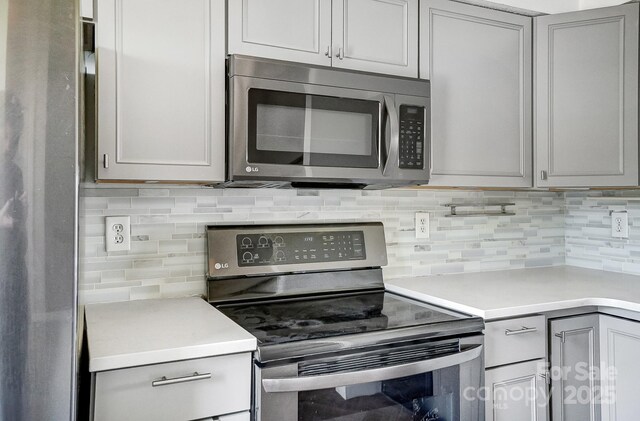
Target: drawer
column 181, row 395
column 514, row 340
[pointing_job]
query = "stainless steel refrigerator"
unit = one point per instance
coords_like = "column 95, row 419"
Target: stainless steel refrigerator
column 38, row 209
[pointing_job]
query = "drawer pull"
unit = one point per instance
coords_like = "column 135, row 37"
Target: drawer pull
column 524, row 329
column 192, row 378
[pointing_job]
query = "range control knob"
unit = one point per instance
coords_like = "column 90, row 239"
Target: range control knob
column 263, row 242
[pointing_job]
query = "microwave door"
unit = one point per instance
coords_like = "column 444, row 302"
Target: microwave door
column 296, row 132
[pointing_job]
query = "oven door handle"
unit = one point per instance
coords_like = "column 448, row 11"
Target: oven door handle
column 393, row 143
column 300, row 384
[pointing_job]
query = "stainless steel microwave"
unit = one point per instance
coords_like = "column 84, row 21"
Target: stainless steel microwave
column 302, row 125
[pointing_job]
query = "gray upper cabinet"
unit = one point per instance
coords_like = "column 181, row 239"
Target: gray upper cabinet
column 379, row 36
column 292, row 30
column 376, row 36
column 479, row 64
column 587, row 98
column 86, row 9
column 161, row 90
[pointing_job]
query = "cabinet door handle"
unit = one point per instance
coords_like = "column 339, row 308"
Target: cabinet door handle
column 545, row 376
column 561, row 335
column 164, row 381
column 524, row 329
column 340, row 54
column 543, row 175
column 105, row 161
column 328, row 52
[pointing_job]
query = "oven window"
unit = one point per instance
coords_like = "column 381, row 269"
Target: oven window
column 312, row 130
column 423, row 397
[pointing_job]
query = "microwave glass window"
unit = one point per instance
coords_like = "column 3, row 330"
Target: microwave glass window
column 280, row 128
column 340, row 132
column 301, row 129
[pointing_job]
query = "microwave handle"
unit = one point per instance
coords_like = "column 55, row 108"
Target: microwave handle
column 300, row 384
column 393, row 143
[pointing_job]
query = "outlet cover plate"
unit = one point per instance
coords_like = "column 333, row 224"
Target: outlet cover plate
column 117, row 233
column 422, row 225
column 619, row 224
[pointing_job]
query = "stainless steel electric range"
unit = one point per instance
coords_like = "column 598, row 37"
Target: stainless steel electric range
column 332, row 343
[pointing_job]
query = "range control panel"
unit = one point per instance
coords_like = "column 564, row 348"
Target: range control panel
column 299, row 247
column 412, row 137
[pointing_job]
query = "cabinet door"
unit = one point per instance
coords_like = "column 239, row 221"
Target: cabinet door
column 574, row 351
column 479, row 64
column 378, row 36
column 620, row 349
column 293, row 30
column 587, row 98
column 517, row 392
column 161, row 98
column 86, row 9
column 240, row 416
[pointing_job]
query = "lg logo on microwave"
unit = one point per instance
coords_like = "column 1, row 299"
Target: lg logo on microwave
column 251, row 169
column 219, row 266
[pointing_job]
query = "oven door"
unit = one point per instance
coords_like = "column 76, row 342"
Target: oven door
column 418, row 382
column 288, row 131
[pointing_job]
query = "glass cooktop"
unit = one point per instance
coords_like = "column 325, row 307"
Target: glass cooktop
column 312, row 318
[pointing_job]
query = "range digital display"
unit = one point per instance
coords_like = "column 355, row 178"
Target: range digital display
column 301, row 247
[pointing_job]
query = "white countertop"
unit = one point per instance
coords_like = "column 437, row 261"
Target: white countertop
column 510, row 293
column 135, row 333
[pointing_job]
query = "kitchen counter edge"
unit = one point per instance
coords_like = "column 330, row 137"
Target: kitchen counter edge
column 137, row 333
column 576, row 288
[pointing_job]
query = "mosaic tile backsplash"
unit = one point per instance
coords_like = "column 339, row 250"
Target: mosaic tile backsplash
column 167, row 256
column 588, row 230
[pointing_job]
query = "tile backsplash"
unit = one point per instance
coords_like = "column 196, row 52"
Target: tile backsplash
column 588, row 230
column 167, row 256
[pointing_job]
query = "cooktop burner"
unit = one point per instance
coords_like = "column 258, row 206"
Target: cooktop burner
column 321, row 317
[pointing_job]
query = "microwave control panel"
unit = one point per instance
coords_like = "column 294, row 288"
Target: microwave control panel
column 411, row 137
column 300, row 247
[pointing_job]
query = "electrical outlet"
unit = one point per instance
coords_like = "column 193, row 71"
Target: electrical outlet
column 422, row 225
column 619, row 224
column 118, row 233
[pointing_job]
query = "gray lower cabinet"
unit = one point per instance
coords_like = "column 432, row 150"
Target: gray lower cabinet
column 185, row 390
column 620, row 369
column 595, row 370
column 161, row 90
column 574, row 352
column 516, row 374
column 479, row 62
column 517, row 392
column 586, row 78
